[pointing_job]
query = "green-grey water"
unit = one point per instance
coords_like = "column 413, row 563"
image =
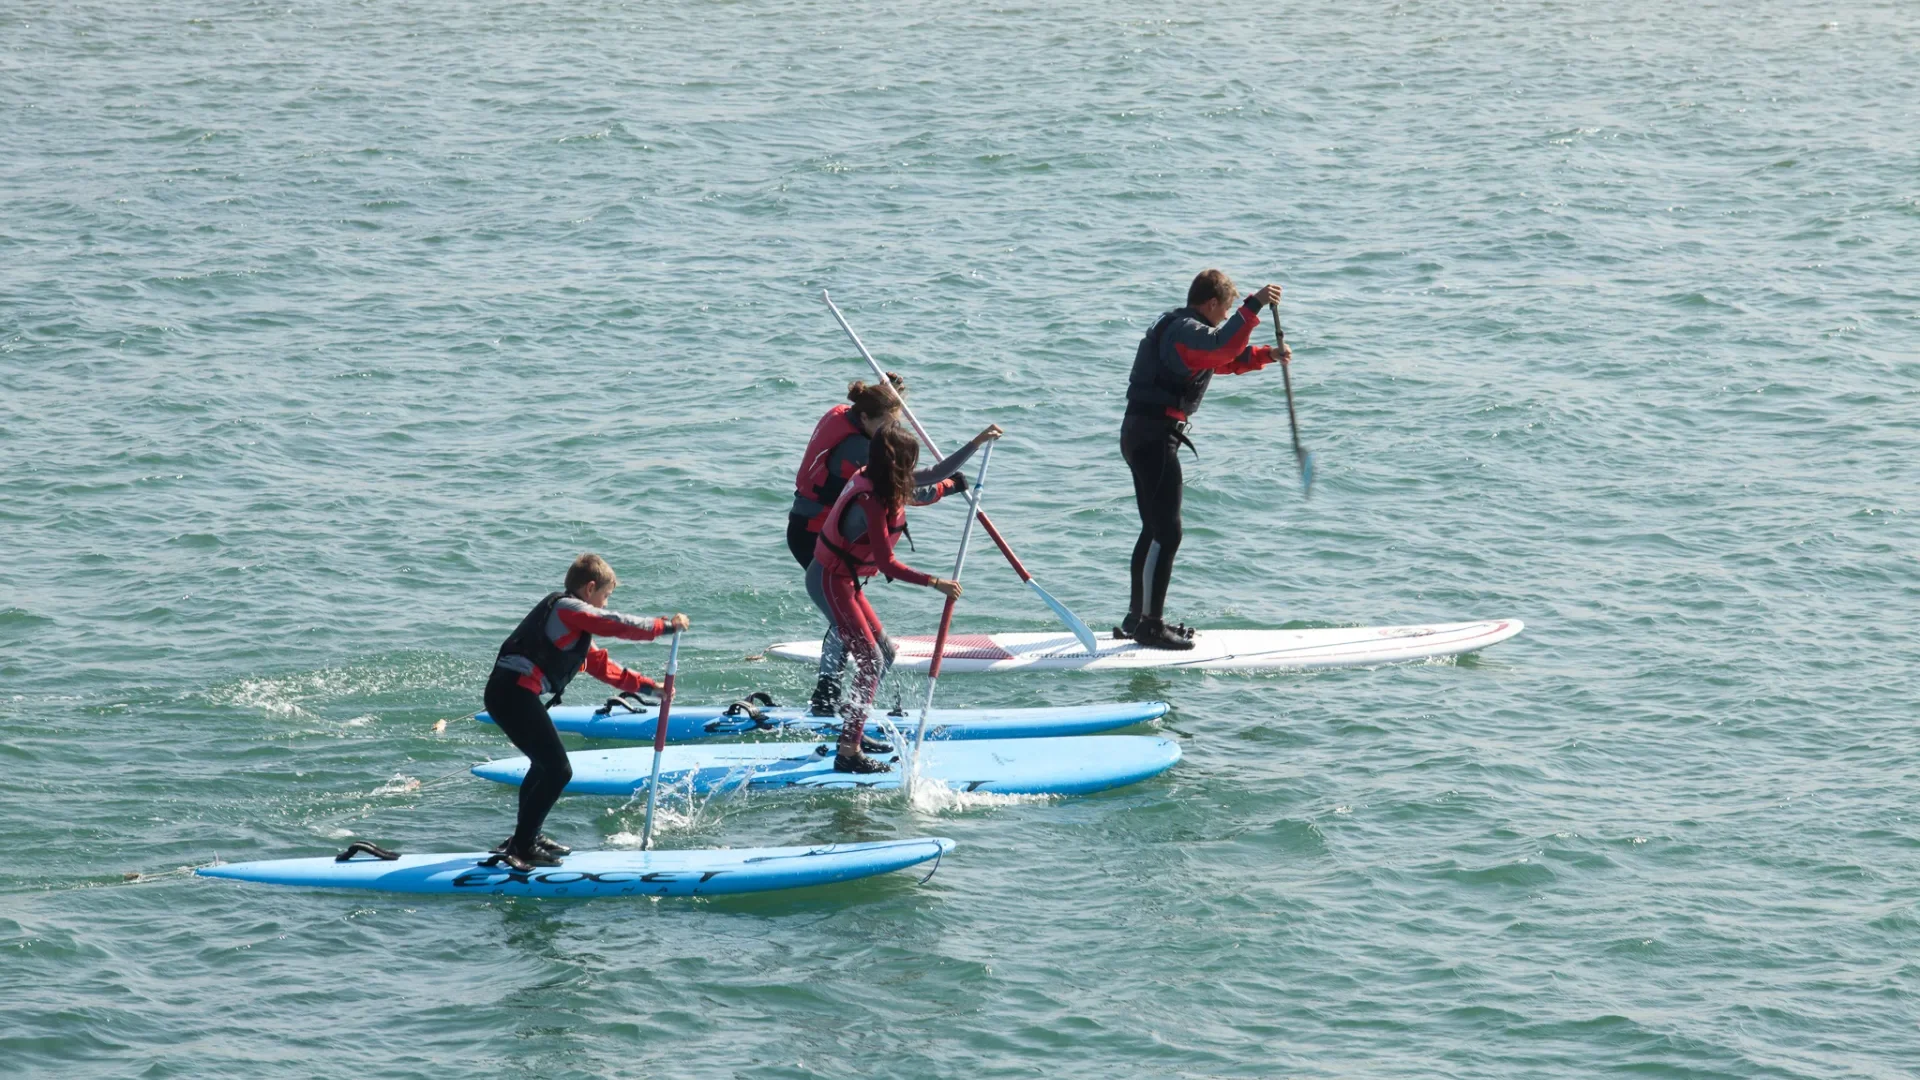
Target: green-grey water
column 330, row 333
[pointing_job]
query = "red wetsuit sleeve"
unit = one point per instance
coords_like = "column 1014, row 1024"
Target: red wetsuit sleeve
column 881, row 542
column 602, row 667
column 579, row 616
column 1253, row 359
column 1211, row 350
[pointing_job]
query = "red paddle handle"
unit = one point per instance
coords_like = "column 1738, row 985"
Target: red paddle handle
column 1002, row 545
column 940, row 639
column 666, row 707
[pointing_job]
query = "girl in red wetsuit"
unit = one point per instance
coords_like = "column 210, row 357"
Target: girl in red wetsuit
column 838, row 450
column 856, row 542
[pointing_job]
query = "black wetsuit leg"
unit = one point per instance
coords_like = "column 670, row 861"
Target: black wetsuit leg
column 522, row 716
column 833, row 652
column 1151, row 446
column 800, row 541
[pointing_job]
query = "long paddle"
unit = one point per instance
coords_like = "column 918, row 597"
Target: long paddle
column 660, row 738
column 946, row 615
column 1301, row 454
column 1061, row 610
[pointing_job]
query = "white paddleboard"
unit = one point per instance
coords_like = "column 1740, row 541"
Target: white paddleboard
column 1213, row 650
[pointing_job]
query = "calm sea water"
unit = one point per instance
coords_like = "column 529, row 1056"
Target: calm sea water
column 329, row 333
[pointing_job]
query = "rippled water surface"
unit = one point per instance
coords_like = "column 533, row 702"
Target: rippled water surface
column 330, row 332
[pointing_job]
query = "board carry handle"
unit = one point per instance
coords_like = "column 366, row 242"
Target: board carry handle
column 746, row 707
column 362, row 847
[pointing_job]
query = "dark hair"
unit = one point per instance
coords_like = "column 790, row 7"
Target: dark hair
column 588, row 569
column 890, row 463
column 874, row 399
column 1210, row 285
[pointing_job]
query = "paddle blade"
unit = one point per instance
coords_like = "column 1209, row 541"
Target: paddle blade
column 1306, row 472
column 1067, row 617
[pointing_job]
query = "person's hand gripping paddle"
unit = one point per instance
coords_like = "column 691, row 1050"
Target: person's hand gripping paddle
column 660, row 738
column 1301, row 455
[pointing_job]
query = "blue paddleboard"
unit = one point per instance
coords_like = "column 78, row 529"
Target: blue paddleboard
column 691, row 722
column 703, row 872
column 1073, row 766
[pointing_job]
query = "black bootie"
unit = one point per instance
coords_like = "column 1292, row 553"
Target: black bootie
column 826, row 696
column 1154, row 634
column 524, row 857
column 859, row 763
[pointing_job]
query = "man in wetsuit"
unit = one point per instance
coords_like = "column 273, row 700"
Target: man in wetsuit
column 1176, row 361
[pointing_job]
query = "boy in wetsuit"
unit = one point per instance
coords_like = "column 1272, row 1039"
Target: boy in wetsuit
column 1176, row 361
column 553, row 643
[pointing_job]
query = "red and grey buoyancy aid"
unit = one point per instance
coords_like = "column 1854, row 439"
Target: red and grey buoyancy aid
column 815, row 480
column 531, row 640
column 1160, row 379
column 856, row 554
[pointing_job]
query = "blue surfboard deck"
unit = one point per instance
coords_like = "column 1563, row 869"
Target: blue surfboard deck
column 694, row 722
column 1062, row 766
column 704, row 872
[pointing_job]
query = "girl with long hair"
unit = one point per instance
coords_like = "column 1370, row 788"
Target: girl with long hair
column 839, row 449
column 856, row 543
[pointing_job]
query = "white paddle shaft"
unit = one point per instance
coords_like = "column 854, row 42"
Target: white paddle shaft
column 946, row 614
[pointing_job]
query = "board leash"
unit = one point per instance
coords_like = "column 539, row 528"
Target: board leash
column 440, row 726
column 936, row 866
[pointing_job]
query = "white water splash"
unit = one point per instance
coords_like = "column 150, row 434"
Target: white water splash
column 931, row 796
column 399, row 785
column 271, row 696
column 677, row 810
column 289, row 695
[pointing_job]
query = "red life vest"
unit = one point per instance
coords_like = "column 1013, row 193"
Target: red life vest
column 856, row 554
column 812, row 481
